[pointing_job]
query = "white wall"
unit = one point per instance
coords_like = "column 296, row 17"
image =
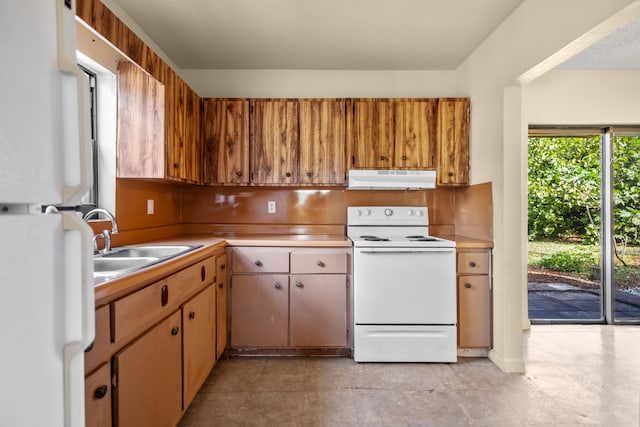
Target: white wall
column 320, row 83
column 569, row 97
column 536, row 37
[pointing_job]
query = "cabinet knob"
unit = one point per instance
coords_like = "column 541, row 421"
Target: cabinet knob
column 309, row 174
column 192, row 315
column 383, row 158
column 320, row 263
column 450, row 174
column 467, row 285
column 404, row 157
column 220, row 285
column 239, row 174
column 299, row 285
column 223, row 266
column 175, row 330
column 101, row 392
column 278, row 285
column 288, row 174
column 258, row 263
column 472, row 264
column 203, row 273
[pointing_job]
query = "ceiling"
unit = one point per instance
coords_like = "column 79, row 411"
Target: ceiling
column 318, row 34
column 343, row 34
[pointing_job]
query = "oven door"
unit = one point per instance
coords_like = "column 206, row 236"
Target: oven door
column 404, row 286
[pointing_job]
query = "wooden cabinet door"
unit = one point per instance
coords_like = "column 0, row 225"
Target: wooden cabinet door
column 318, row 310
column 225, row 127
column 221, row 305
column 198, row 337
column 274, row 141
column 149, row 377
column 97, row 397
column 259, row 308
column 176, row 154
column 322, row 141
column 453, row 141
column 140, row 150
column 370, row 133
column 192, row 138
column 474, row 312
column 415, row 133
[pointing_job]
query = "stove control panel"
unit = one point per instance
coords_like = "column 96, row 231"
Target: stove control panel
column 383, row 215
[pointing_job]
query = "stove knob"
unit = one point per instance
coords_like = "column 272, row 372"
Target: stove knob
column 409, row 212
column 419, row 213
column 367, row 212
column 388, row 212
column 357, row 213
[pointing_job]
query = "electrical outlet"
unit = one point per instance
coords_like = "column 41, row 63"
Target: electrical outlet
column 271, row 206
column 150, row 207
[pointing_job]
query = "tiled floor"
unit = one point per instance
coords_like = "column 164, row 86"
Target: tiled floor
column 576, row 375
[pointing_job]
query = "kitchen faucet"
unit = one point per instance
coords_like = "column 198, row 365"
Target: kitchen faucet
column 105, row 235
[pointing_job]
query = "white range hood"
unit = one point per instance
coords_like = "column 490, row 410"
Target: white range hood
column 378, row 179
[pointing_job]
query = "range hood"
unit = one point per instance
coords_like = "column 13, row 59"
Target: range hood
column 378, row 179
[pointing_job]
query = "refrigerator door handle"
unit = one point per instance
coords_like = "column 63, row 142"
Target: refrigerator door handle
column 75, row 137
column 78, row 287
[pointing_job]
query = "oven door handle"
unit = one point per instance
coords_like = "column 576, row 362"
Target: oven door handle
column 426, row 250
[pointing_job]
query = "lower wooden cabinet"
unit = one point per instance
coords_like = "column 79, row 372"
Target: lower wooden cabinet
column 221, row 305
column 198, row 338
column 289, row 299
column 148, row 391
column 97, row 397
column 474, row 298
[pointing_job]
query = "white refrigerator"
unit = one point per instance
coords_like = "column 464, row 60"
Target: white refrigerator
column 46, row 267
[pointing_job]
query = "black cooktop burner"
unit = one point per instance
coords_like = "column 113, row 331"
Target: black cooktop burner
column 374, row 239
column 421, row 238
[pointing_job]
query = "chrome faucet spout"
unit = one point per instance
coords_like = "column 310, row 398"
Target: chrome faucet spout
column 105, row 235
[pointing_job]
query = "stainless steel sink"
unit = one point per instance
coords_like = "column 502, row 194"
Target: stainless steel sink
column 167, row 251
column 113, row 266
column 127, row 259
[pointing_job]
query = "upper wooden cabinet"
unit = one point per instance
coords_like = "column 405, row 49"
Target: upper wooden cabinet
column 392, row 134
column 184, row 147
column 140, row 145
column 453, row 141
column 225, row 128
column 274, row 141
column 322, row 141
column 370, row 139
column 415, row 133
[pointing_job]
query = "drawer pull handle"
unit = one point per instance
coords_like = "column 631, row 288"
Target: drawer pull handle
column 175, row 330
column 278, row 285
column 320, row 264
column 192, row 315
column 300, row 285
column 164, row 295
column 467, row 285
column 101, row 392
column 203, row 273
column 258, row 263
column 220, row 285
column 223, row 266
column 472, row 264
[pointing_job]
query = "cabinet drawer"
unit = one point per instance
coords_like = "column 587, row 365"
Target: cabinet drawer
column 260, row 260
column 190, row 280
column 136, row 312
column 318, row 262
column 473, row 262
column 96, row 354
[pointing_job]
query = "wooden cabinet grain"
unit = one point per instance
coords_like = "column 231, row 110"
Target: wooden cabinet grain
column 274, row 141
column 453, row 141
column 474, row 298
column 198, row 338
column 225, row 128
column 149, row 377
column 221, row 305
column 370, row 138
column 322, row 141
